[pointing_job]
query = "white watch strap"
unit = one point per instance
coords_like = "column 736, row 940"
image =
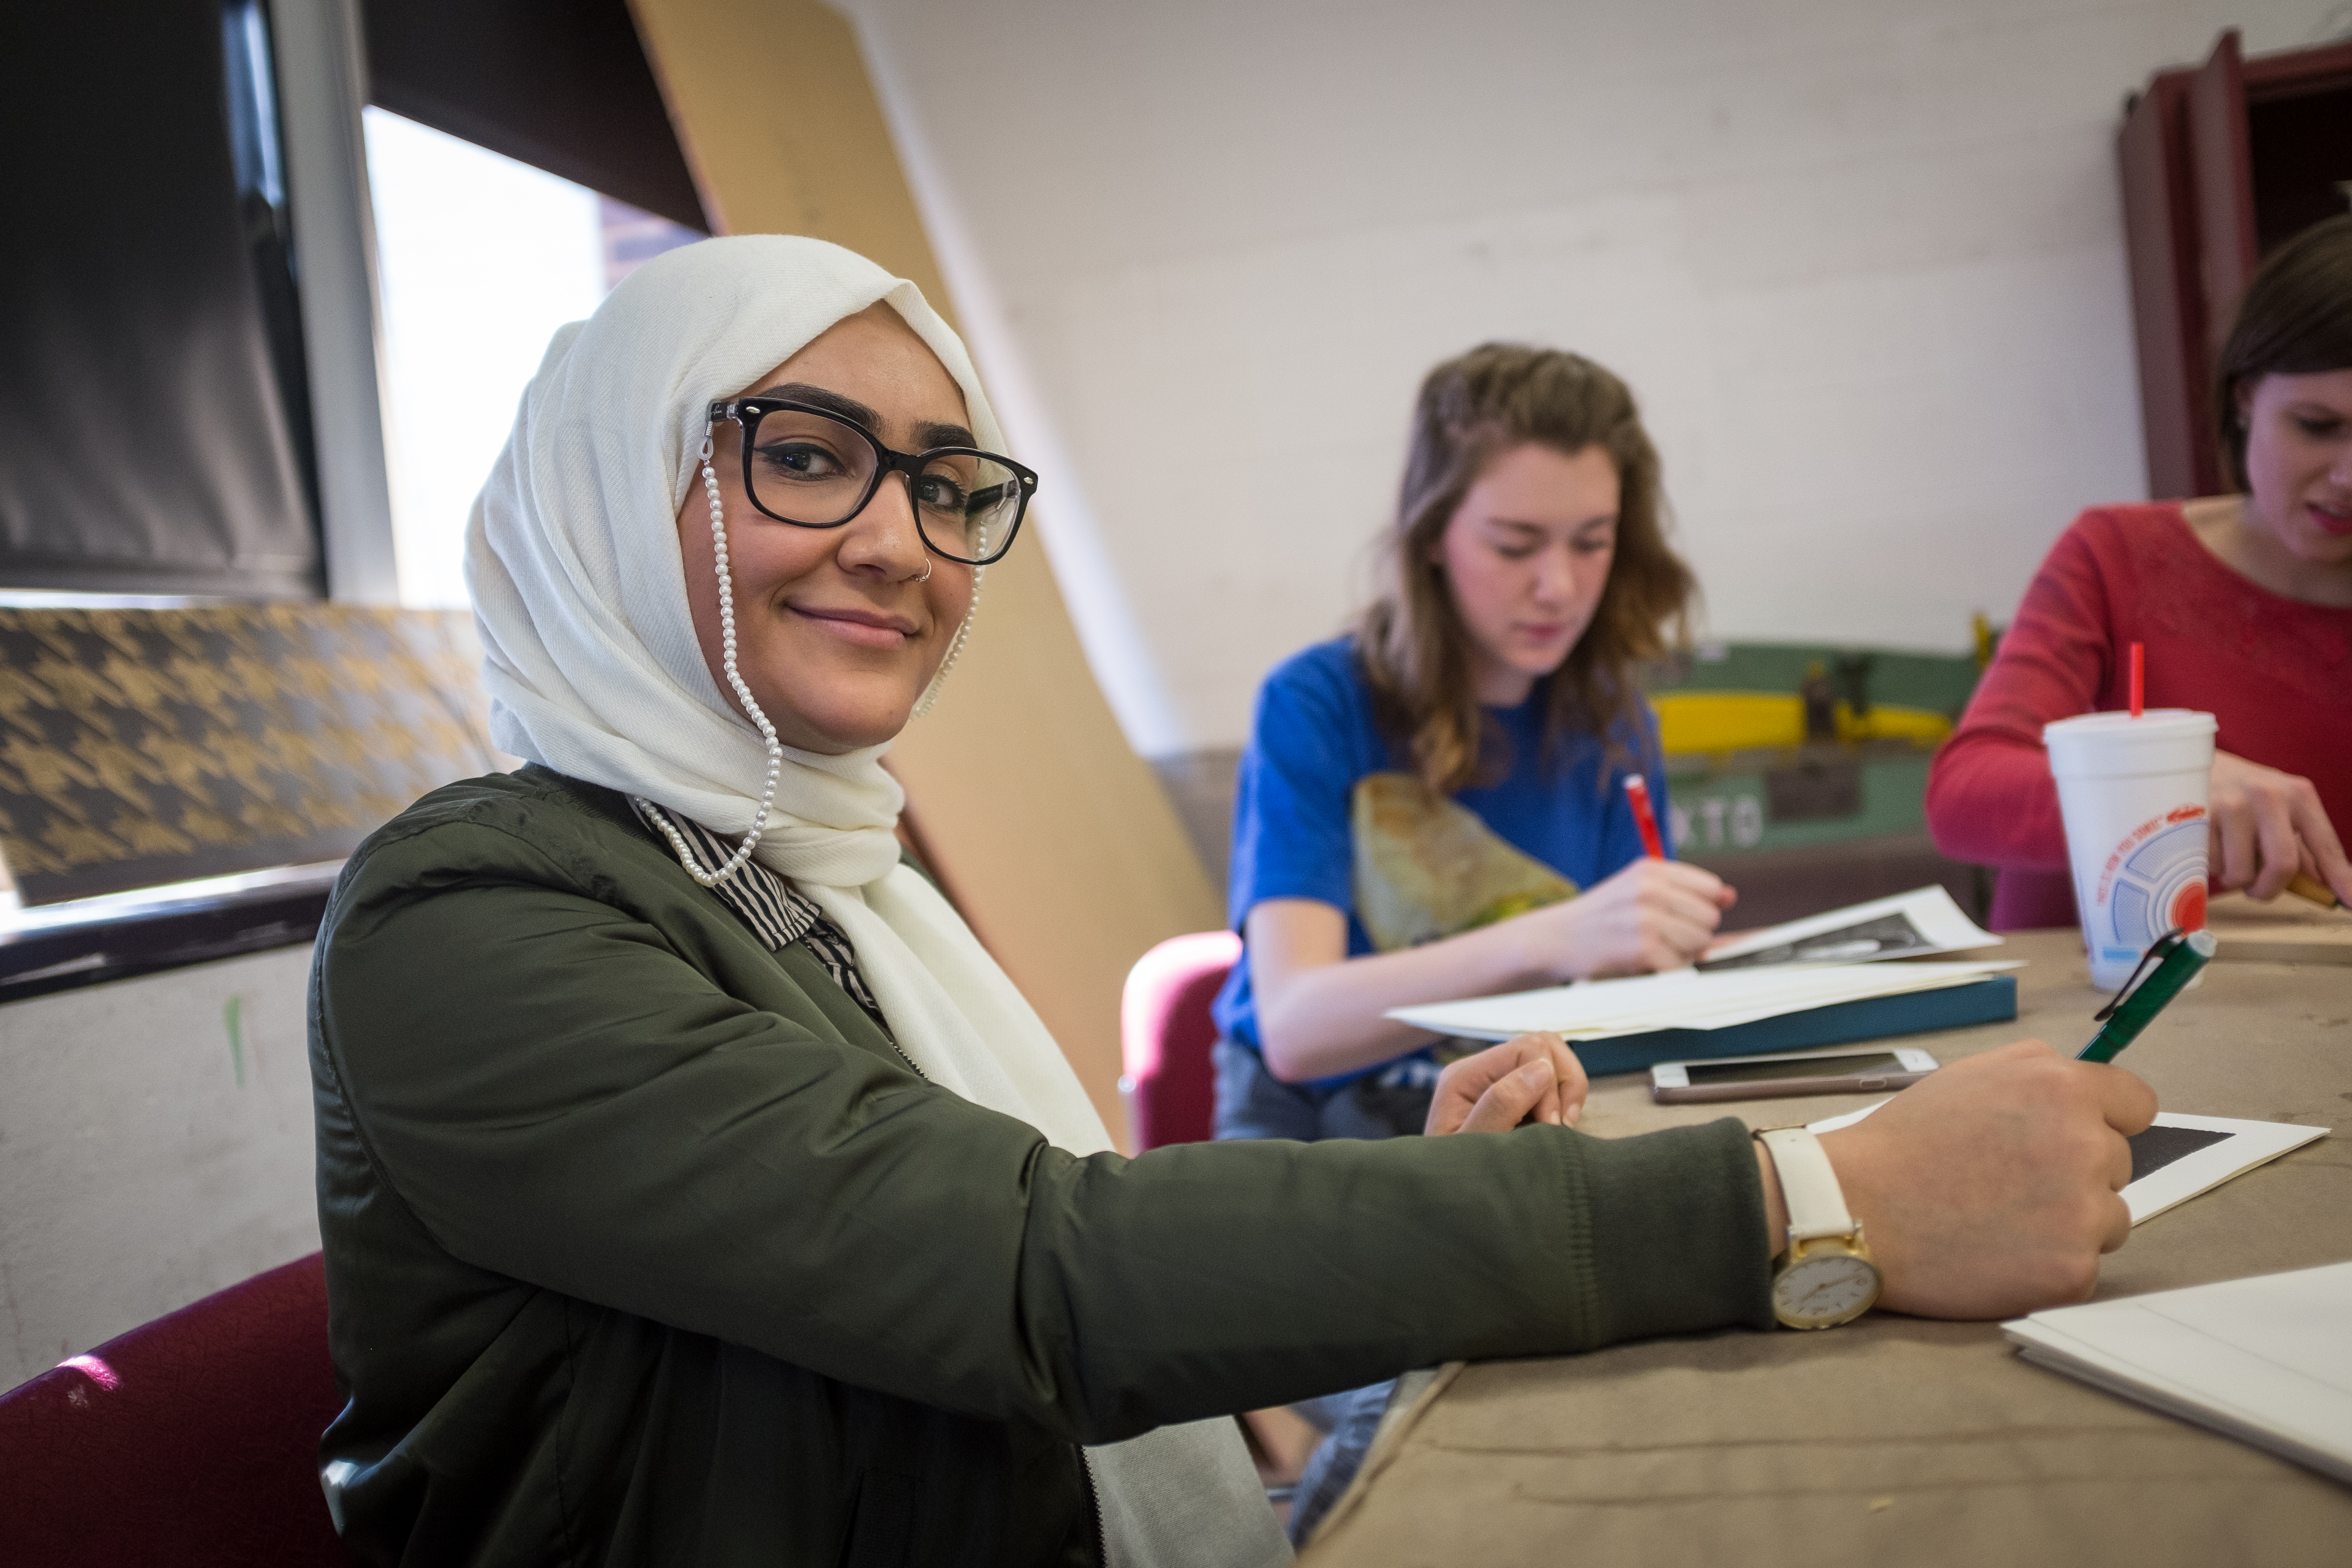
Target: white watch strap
column 1808, row 1186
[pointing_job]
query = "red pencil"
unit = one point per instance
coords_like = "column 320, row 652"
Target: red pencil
column 1637, row 791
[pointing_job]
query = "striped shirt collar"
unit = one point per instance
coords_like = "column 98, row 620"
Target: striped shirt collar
column 777, row 913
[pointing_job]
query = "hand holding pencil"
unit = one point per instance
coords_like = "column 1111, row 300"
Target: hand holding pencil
column 2271, row 835
column 1653, row 914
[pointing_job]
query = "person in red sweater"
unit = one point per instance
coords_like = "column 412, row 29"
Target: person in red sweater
column 2244, row 602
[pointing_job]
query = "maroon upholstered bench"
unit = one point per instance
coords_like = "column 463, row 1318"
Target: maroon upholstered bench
column 191, row 1441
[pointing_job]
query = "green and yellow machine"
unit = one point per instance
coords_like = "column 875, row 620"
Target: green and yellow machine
column 1805, row 767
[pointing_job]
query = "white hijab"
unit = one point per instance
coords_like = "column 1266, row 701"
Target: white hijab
column 594, row 669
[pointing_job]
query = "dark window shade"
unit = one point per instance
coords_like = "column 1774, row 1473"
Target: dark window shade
column 563, row 88
column 146, row 443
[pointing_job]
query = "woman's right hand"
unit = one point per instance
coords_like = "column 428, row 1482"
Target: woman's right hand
column 1320, row 1011
column 1991, row 1188
column 1653, row 915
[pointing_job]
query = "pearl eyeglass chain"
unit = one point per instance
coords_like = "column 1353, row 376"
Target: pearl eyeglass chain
column 743, row 693
column 931, row 692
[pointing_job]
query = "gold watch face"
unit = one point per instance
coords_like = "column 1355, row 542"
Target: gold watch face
column 1824, row 1289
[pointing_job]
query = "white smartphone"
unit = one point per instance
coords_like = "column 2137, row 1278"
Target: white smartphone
column 1775, row 1076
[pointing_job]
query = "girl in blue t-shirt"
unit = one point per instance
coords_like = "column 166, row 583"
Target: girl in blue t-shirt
column 1433, row 807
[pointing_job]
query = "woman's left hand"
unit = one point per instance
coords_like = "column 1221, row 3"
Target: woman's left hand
column 2266, row 825
column 1535, row 1077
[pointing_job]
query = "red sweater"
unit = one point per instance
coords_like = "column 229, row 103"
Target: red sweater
column 2275, row 673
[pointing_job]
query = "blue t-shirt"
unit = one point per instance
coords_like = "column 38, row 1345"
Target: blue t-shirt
column 1326, row 807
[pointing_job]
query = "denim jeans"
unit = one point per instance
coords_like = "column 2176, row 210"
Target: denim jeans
column 1353, row 1420
column 1252, row 1104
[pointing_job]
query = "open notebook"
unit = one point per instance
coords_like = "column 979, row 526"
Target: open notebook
column 1915, row 924
column 2267, row 1361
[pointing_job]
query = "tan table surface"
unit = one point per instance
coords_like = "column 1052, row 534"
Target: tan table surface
column 1900, row 1440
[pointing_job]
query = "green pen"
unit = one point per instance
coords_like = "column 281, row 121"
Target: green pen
column 2178, row 959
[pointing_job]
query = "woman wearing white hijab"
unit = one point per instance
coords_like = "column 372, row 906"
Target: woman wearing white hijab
column 694, row 1186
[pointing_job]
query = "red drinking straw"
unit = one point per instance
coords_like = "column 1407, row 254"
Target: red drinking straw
column 2138, row 677
column 1637, row 792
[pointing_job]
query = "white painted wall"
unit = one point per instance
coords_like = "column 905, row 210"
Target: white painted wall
column 156, row 1146
column 1862, row 259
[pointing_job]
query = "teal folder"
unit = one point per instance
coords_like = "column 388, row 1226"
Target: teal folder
column 1987, row 1001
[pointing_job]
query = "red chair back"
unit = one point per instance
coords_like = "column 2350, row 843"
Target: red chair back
column 1165, row 1032
column 189, row 1442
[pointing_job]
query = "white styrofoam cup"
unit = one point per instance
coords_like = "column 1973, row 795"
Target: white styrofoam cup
column 2133, row 791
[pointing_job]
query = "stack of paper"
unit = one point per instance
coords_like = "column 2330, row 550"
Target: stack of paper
column 2266, row 1360
column 1685, row 999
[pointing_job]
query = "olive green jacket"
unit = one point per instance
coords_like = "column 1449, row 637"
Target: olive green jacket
column 644, row 1245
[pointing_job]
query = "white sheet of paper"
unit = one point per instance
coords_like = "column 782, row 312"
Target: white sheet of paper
column 2249, row 1144
column 2267, row 1361
column 1935, row 925
column 1684, row 999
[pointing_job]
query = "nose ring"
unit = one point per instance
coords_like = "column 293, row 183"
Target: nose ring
column 927, row 571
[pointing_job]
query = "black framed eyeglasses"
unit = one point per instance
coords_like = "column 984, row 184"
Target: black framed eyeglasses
column 811, row 468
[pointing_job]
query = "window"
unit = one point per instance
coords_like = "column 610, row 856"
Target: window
column 480, row 258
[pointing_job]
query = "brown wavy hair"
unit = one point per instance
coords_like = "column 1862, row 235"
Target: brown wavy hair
column 1415, row 649
column 2295, row 319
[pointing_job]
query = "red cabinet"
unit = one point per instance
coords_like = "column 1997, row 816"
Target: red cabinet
column 2220, row 164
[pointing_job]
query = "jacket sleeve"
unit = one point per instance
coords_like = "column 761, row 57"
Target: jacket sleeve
column 560, row 1097
column 1990, row 798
